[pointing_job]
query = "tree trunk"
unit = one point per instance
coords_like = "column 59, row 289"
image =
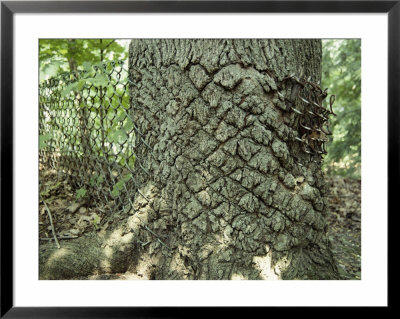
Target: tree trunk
column 233, row 193
column 225, row 188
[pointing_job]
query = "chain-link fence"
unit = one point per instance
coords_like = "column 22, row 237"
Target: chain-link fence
column 86, row 132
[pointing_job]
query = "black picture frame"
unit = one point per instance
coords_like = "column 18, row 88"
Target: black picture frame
column 9, row 8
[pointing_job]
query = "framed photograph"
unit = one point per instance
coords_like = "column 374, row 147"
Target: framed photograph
column 162, row 155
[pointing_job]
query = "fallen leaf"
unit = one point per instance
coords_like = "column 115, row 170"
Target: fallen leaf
column 74, row 231
column 74, row 207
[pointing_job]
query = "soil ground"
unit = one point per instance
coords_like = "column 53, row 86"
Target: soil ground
column 72, row 217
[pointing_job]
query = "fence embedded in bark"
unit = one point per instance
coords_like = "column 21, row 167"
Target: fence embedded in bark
column 86, row 132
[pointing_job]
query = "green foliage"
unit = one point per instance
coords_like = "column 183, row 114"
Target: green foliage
column 341, row 74
column 73, row 87
column 43, row 140
column 46, row 192
column 81, row 193
column 86, row 78
column 118, row 136
column 57, row 55
column 96, row 180
column 96, row 221
column 119, row 186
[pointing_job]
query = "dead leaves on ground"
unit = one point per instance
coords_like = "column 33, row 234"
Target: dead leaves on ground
column 71, row 217
column 344, row 219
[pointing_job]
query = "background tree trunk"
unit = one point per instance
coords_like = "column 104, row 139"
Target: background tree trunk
column 233, row 194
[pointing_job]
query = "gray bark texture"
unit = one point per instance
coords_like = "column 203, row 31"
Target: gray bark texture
column 232, row 193
column 224, row 189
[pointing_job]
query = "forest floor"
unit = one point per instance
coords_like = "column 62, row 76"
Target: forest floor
column 72, row 217
column 344, row 218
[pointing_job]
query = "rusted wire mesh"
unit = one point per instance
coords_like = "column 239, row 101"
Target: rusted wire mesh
column 306, row 99
column 86, row 132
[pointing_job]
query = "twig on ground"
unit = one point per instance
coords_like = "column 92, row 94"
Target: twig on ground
column 61, row 237
column 51, row 224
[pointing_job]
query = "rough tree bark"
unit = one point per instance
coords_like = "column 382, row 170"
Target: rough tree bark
column 229, row 192
column 225, row 191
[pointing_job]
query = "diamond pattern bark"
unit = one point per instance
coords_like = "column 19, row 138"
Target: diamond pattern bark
column 235, row 195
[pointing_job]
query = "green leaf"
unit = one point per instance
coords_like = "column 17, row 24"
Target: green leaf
column 43, row 140
column 122, row 161
column 51, row 69
column 121, row 115
column 87, row 66
column 80, row 85
column 75, row 86
column 125, row 101
column 99, row 80
column 46, row 192
column 115, row 191
column 96, row 221
column 126, row 178
column 100, row 180
column 131, row 161
column 119, row 186
column 96, row 180
column 128, row 125
column 119, row 136
column 80, row 193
